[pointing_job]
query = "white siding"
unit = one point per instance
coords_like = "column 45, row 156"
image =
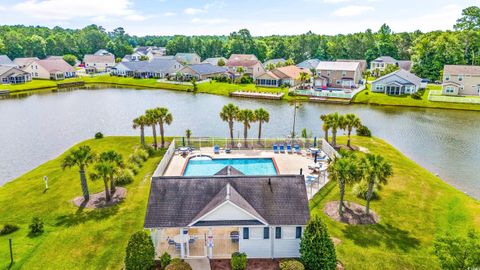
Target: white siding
column 227, row 212
column 255, row 248
column 286, row 248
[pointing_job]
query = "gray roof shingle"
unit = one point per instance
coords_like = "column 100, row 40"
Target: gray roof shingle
column 154, row 66
column 177, row 201
column 206, row 69
column 6, row 61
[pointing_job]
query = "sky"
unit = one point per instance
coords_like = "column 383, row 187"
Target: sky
column 221, row 17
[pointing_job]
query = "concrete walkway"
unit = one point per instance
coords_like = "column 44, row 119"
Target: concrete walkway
column 199, row 264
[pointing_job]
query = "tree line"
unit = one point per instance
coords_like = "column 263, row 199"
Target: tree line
column 429, row 51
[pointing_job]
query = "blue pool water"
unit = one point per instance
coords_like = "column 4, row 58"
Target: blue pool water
column 248, row 166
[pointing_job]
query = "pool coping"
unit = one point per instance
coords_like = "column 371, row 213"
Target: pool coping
column 190, row 157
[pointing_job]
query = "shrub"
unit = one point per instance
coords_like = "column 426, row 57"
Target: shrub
column 98, row 135
column 291, row 265
column 142, row 153
column 360, row 190
column 140, row 253
column 178, row 264
column 165, row 260
column 150, row 150
column 135, row 159
column 133, row 167
column 416, row 95
column 36, row 227
column 238, row 261
column 364, row 131
column 124, row 178
column 316, row 247
column 8, row 228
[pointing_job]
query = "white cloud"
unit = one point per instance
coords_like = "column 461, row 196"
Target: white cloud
column 335, row 1
column 169, row 14
column 352, row 10
column 64, row 10
column 193, row 11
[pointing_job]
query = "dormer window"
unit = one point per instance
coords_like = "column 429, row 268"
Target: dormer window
column 447, row 77
column 460, row 78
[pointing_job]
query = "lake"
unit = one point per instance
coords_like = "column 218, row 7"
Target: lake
column 39, row 127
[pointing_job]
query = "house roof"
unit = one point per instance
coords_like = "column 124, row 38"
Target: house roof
column 242, row 63
column 156, row 65
column 11, row 71
column 178, row 201
column 108, row 58
column 405, row 64
column 229, row 170
column 292, row 72
column 55, row 65
column 274, row 61
column 309, row 64
column 385, row 59
column 412, row 78
column 461, row 70
column 242, row 57
column 214, row 60
column 102, row 52
column 6, row 61
column 187, row 57
column 206, row 69
column 329, row 65
column 24, row 61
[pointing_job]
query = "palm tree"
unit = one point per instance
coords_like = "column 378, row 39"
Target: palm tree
column 375, row 170
column 229, row 114
column 326, row 124
column 351, row 121
column 344, row 171
column 303, row 77
column 164, row 117
column 335, row 122
column 151, row 116
column 103, row 169
column 246, row 117
column 116, row 161
column 188, row 134
column 262, row 116
column 81, row 157
column 141, row 122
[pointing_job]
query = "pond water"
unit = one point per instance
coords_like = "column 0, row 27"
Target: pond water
column 39, row 127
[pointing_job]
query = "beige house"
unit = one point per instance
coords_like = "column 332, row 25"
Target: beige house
column 338, row 75
column 98, row 63
column 363, row 63
column 460, row 80
column 23, row 62
column 246, row 62
column 203, row 71
column 382, row 62
column 52, row 69
column 289, row 75
column 13, row 75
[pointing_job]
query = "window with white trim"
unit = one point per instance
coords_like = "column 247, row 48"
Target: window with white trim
column 460, row 78
column 449, row 89
column 379, row 87
column 289, row 233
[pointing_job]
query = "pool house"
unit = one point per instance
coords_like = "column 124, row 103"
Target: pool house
column 214, row 216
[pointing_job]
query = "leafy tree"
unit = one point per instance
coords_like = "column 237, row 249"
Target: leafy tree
column 229, row 114
column 164, row 117
column 303, row 77
column 456, row 252
column 188, row 134
column 261, row 116
column 82, row 158
column 246, row 116
column 350, row 122
column 289, row 62
column 376, row 171
column 141, row 122
column 140, row 252
column 344, row 170
column 238, row 261
column 389, row 69
column 165, row 260
column 70, row 59
column 271, row 66
column 470, row 19
column 317, row 251
column 221, row 62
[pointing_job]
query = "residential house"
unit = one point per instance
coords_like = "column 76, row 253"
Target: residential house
column 156, row 68
column 214, row 60
column 338, row 75
column 461, row 80
column 103, row 52
column 188, row 58
column 144, row 52
column 382, row 62
column 98, row 63
column 400, row 82
column 53, row 69
column 22, row 62
column 309, row 64
column 6, row 61
column 203, row 71
column 215, row 216
column 248, row 63
column 274, row 62
column 289, row 75
column 13, row 75
column 363, row 63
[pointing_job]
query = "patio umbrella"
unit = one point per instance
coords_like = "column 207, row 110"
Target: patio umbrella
column 315, row 157
column 183, row 141
column 315, row 142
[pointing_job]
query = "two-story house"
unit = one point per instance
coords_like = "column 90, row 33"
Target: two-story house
column 248, row 64
column 338, row 75
column 382, row 62
column 461, row 80
column 98, row 63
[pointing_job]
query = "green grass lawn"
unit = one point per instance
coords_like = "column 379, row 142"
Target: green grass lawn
column 73, row 238
column 368, row 97
column 413, row 208
column 32, row 85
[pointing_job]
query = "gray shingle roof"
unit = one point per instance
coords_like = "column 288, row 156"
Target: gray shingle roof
column 154, row 66
column 229, row 170
column 385, row 59
column 206, row 69
column 309, row 64
column 5, row 61
column 177, row 201
column 412, row 78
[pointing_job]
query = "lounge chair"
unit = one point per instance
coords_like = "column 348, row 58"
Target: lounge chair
column 282, row 148
column 275, row 149
column 289, row 149
column 297, row 148
column 216, row 149
column 228, row 150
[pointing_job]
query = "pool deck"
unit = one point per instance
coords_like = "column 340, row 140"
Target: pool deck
column 286, row 163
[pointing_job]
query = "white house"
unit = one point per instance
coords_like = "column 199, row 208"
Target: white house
column 400, row 82
column 263, row 216
column 98, row 63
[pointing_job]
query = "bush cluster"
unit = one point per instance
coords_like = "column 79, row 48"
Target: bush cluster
column 364, row 131
column 8, row 229
column 291, row 264
column 165, row 260
column 98, row 135
column 178, row 264
column 140, row 252
column 360, row 190
column 124, row 178
column 238, row 261
column 36, row 227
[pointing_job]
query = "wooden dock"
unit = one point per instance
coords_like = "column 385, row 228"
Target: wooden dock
column 4, row 92
column 260, row 95
column 70, row 84
column 329, row 100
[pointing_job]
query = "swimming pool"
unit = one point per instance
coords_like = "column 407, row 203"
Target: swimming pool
column 247, row 166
